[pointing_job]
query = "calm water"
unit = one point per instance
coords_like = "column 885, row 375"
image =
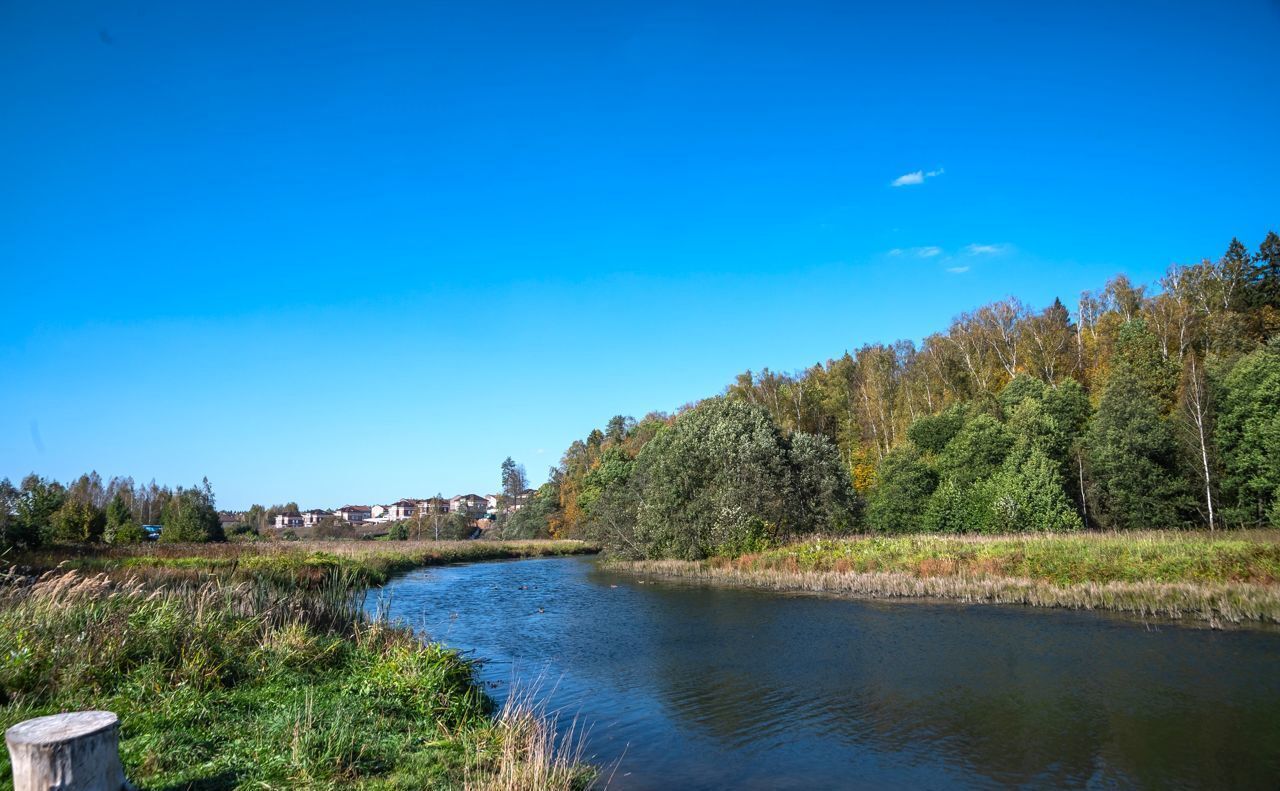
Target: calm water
column 700, row 687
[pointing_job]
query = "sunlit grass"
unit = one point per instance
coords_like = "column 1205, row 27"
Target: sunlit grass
column 231, row 678
column 1214, row 577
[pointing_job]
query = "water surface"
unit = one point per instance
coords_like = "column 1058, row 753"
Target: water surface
column 693, row 687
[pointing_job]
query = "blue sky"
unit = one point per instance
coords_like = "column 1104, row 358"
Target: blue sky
column 335, row 252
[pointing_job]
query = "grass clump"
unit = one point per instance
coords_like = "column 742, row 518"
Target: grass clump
column 234, row 681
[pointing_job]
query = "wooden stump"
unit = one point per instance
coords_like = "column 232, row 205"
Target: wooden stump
column 79, row 751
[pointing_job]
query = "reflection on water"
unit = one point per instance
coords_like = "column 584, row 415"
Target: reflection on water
column 702, row 687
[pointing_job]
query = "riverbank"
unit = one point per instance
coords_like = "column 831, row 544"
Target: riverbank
column 235, row 666
column 1219, row 579
column 367, row 562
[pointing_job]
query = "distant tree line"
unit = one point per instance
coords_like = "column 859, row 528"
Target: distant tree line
column 39, row 511
column 1150, row 407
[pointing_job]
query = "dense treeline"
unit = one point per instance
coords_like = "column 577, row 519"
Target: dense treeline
column 1150, row 407
column 40, row 511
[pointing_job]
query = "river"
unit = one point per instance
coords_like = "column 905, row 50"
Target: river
column 698, row 687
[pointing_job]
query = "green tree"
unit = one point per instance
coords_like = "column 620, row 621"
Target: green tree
column 931, row 433
column 1027, row 496
column 513, row 482
column 823, row 499
column 1264, row 286
column 118, row 518
column 38, row 500
column 1248, row 435
column 976, row 452
column 78, row 522
column 129, row 533
column 190, row 516
column 716, row 481
column 955, row 509
column 9, row 526
column 904, row 485
column 1138, row 351
column 1133, row 460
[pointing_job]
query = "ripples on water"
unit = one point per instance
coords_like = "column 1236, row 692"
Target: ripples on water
column 691, row 687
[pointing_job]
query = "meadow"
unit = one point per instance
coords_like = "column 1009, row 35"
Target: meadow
column 256, row 666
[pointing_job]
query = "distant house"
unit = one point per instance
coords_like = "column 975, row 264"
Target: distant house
column 288, row 519
column 380, row 511
column 404, row 509
column 492, row 500
column 522, row 498
column 470, row 504
column 355, row 514
column 314, row 516
column 434, row 505
column 229, row 518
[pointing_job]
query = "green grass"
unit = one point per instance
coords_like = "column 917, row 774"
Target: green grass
column 370, row 563
column 259, row 669
column 1061, row 559
column 1216, row 578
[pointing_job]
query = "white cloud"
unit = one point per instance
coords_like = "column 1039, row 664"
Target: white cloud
column 915, row 177
column 928, row 251
column 957, row 270
column 985, row 249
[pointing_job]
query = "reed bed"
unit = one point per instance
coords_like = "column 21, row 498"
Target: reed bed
column 1211, row 578
column 227, row 681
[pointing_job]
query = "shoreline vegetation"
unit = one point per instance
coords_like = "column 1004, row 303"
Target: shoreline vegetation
column 256, row 665
column 1217, row 579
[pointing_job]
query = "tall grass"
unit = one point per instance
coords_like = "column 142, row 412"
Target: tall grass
column 1214, row 578
column 231, row 681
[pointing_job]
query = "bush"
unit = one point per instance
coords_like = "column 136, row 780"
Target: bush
column 898, row 502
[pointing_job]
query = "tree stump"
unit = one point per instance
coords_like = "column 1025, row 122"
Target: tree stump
column 79, row 751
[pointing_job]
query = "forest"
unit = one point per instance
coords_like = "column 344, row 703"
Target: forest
column 1143, row 407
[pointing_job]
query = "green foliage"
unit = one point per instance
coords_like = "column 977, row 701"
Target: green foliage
column 1248, row 435
column 190, row 517
column 253, row 684
column 1138, row 352
column 530, row 520
column 613, row 469
column 905, row 483
column 396, row 531
column 823, row 499
column 119, row 520
column 35, row 504
column 1027, row 496
column 722, row 478
column 931, row 433
column 1021, row 388
column 976, row 452
column 955, row 509
column 1133, row 460
column 713, row 480
column 129, row 533
column 78, row 522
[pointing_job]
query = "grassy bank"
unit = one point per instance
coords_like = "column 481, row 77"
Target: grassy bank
column 366, row 562
column 226, row 677
column 1216, row 578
